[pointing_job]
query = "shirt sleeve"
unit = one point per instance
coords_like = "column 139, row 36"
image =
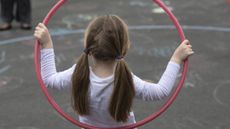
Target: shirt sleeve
column 50, row 76
column 151, row 91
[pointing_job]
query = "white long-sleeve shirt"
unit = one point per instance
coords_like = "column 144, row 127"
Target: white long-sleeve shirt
column 102, row 88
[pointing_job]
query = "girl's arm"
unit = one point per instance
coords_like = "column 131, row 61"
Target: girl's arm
column 150, row 91
column 50, row 76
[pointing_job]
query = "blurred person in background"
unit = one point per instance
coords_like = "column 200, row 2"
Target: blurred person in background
column 21, row 14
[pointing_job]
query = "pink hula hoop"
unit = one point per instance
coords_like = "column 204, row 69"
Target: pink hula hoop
column 139, row 123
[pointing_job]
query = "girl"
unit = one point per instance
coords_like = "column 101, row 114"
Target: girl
column 102, row 94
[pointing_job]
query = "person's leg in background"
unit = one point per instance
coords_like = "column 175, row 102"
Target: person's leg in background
column 23, row 13
column 7, row 7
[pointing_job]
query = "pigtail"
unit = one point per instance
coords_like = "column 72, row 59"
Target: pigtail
column 80, row 86
column 123, row 93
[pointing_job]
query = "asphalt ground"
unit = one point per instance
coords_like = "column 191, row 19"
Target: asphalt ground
column 203, row 102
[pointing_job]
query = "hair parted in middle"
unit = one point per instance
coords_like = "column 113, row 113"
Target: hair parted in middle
column 106, row 39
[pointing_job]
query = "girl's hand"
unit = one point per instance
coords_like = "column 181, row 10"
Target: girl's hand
column 182, row 52
column 41, row 33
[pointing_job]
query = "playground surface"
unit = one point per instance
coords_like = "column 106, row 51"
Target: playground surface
column 203, row 102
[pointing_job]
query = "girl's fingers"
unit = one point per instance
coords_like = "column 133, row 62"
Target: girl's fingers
column 191, row 53
column 40, row 30
column 42, row 25
column 37, row 31
column 39, row 25
column 37, row 36
column 186, row 42
column 37, row 28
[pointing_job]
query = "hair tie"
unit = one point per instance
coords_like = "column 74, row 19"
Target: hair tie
column 119, row 57
column 86, row 51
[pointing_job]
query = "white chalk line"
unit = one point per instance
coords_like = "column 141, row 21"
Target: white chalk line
column 26, row 127
column 3, row 55
column 215, row 94
column 191, row 122
column 4, row 69
column 2, row 60
column 59, row 32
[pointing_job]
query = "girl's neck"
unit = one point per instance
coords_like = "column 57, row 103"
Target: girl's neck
column 103, row 69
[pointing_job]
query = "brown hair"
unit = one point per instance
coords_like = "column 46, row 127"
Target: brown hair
column 106, row 39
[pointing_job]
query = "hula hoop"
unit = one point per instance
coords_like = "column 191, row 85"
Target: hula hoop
column 139, row 123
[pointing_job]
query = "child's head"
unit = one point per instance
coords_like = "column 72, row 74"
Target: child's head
column 106, row 39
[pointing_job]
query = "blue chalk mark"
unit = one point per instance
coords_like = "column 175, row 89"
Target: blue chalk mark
column 61, row 32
